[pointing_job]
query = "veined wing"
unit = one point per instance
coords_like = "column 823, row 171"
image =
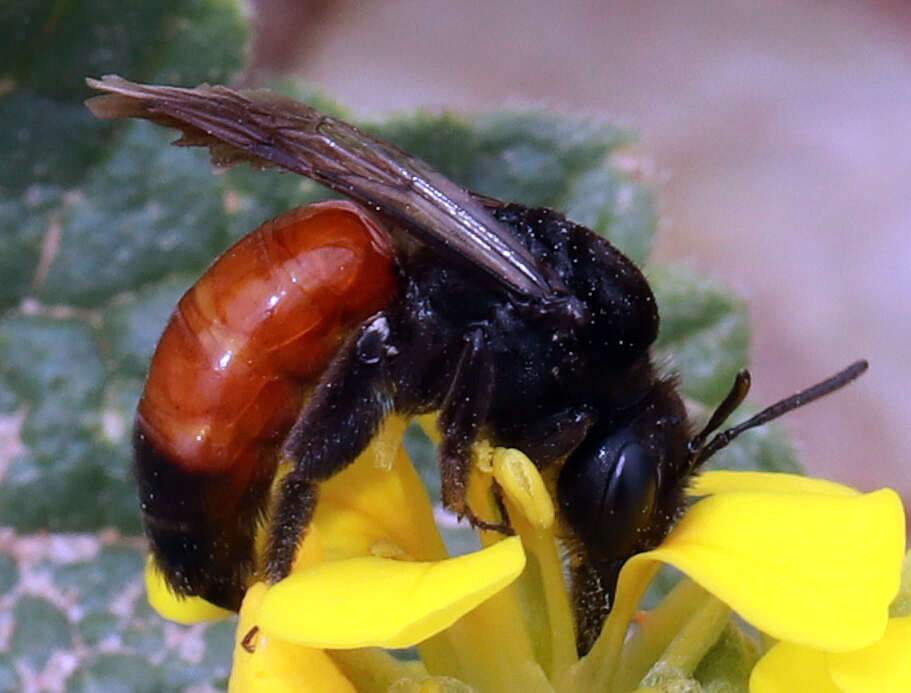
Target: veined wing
column 270, row 130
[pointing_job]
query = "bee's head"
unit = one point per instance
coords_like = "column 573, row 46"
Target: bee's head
column 622, row 489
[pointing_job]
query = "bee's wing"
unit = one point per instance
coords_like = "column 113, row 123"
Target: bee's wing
column 273, row 131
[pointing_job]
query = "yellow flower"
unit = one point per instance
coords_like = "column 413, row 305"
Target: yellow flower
column 882, row 667
column 812, row 564
column 373, row 572
column 808, row 562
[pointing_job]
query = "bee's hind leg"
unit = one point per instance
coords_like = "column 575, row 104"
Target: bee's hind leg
column 336, row 424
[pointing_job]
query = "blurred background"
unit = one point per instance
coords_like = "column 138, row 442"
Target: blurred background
column 777, row 132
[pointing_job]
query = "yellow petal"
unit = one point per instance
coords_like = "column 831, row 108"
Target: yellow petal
column 275, row 666
column 347, row 532
column 542, row 586
column 373, row 669
column 370, row 601
column 523, row 485
column 881, row 668
column 598, row 670
column 384, row 500
column 710, row 483
column 817, row 570
column 184, row 610
column 789, row 668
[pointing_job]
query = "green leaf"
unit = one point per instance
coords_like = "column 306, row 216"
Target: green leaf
column 215, row 647
column 117, row 641
column 21, row 231
column 726, row 667
column 97, row 627
column 204, row 41
column 9, row 679
column 54, row 366
column 111, row 572
column 58, row 44
column 704, row 337
column 667, row 679
column 39, row 628
column 116, row 673
column 132, row 325
column 148, row 212
column 622, row 209
column 253, row 196
column 49, row 48
column 9, row 574
column 704, row 332
column 46, row 141
column 22, row 23
column 68, row 476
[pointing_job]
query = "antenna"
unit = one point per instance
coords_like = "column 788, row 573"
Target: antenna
column 734, row 398
column 700, row 451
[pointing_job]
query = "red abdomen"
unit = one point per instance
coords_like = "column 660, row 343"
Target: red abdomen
column 253, row 334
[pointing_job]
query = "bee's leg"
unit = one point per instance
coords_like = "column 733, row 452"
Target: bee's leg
column 547, row 439
column 462, row 414
column 293, row 512
column 336, row 424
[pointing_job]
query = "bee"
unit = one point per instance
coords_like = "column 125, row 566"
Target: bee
column 416, row 296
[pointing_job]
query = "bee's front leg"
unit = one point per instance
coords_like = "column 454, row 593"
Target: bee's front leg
column 465, row 409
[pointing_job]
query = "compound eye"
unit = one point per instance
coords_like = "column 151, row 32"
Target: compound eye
column 607, row 494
